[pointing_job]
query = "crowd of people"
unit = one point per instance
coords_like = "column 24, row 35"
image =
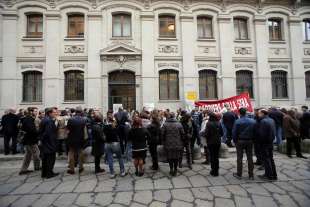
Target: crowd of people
column 129, row 135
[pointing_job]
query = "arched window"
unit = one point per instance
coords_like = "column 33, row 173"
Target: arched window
column 306, row 29
column 75, row 25
column 167, row 26
column 32, row 86
column 275, row 29
column 204, row 27
column 207, row 84
column 241, row 28
column 74, row 85
column 121, row 25
column 168, row 85
column 307, row 79
column 244, row 82
column 34, row 25
column 279, row 84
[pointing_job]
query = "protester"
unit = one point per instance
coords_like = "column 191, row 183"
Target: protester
column 188, row 128
column 243, row 136
column 257, row 151
column 62, row 131
column 213, row 134
column 9, row 124
column 154, row 130
column 121, row 118
column 30, row 141
column 228, row 120
column 76, row 140
column 277, row 116
column 48, row 134
column 203, row 138
column 172, row 136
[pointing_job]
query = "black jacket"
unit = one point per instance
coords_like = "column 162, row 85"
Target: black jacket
column 139, row 137
column 277, row 116
column 155, row 133
column 111, row 133
column 76, row 136
column 121, row 118
column 229, row 119
column 98, row 139
column 48, row 134
column 265, row 130
column 9, row 124
column 305, row 125
column 213, row 132
column 31, row 133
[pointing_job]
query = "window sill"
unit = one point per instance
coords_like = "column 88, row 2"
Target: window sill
column 280, row 99
column 306, row 42
column 168, row 38
column 206, row 40
column 277, row 42
column 169, row 101
column 121, row 38
column 74, row 38
column 32, row 39
column 209, row 99
column 73, row 102
column 31, row 103
column 243, row 41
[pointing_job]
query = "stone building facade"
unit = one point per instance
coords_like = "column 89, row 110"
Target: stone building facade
column 96, row 53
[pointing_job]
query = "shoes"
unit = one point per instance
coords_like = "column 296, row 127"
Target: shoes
column 274, row 178
column 264, row 177
column 180, row 165
column 123, row 174
column 141, row 174
column 171, row 173
column 290, row 156
column 206, row 162
column 190, row 166
column 258, row 163
column 251, row 177
column 25, row 172
column 52, row 175
column 137, row 173
column 174, row 173
column 237, row 176
column 112, row 176
column 70, row 172
column 154, row 168
column 261, row 168
column 99, row 171
column 214, row 174
column 301, row 156
column 81, row 170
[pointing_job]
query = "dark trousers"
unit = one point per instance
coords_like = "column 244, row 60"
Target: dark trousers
column 214, row 150
column 153, row 152
column 188, row 151
column 48, row 162
column 293, row 141
column 60, row 146
column 7, row 139
column 97, row 162
column 258, row 153
column 267, row 156
column 122, row 137
column 246, row 146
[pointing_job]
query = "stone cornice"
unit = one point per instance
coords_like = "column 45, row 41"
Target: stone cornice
column 294, row 20
column 147, row 15
column 94, row 15
column 224, row 18
column 186, row 17
column 9, row 14
column 73, row 58
column 30, row 59
column 52, row 15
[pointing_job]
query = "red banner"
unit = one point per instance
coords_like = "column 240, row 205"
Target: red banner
column 235, row 103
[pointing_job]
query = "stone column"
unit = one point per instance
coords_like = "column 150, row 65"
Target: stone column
column 190, row 74
column 93, row 70
column 263, row 95
column 51, row 82
column 226, row 44
column 148, row 72
column 8, row 81
column 297, row 71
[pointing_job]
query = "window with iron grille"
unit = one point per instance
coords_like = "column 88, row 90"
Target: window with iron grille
column 34, row 25
column 244, row 82
column 75, row 25
column 279, row 84
column 167, row 26
column 74, row 86
column 207, row 84
column 307, row 29
column 204, row 27
column 241, row 28
column 307, row 76
column 121, row 25
column 168, row 85
column 275, row 29
column 32, row 86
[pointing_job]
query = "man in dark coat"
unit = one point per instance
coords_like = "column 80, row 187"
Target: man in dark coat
column 48, row 134
column 9, row 124
column 229, row 119
column 277, row 116
column 30, row 141
column 121, row 118
column 76, row 139
column 265, row 131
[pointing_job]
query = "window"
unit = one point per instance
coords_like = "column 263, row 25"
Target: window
column 307, row 29
column 241, row 29
column 74, row 86
column 76, row 25
column 166, row 26
column 204, row 26
column 244, row 82
column 275, row 31
column 34, row 25
column 121, row 25
column 279, row 84
column 307, row 75
column 168, row 85
column 32, row 86
column 207, row 84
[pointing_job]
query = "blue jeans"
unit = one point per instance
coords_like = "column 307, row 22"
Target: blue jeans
column 114, row 148
column 224, row 137
column 129, row 151
column 278, row 138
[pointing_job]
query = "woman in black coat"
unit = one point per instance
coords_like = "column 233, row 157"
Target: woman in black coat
column 213, row 135
column 98, row 141
column 154, row 130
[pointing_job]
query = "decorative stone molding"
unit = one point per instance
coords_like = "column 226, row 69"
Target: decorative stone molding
column 33, row 49
column 277, row 51
column 31, row 66
column 204, row 65
column 168, row 49
column 161, row 65
column 307, row 51
column 74, row 48
column 81, row 66
column 278, row 67
column 243, row 50
column 244, row 66
column 306, row 67
column 207, row 49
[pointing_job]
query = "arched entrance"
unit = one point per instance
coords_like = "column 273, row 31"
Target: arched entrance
column 122, row 89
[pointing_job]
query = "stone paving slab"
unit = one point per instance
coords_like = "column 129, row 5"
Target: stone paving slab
column 158, row 189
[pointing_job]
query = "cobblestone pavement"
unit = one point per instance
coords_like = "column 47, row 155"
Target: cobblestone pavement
column 190, row 188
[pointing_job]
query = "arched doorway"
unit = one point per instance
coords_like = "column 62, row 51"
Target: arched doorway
column 122, row 89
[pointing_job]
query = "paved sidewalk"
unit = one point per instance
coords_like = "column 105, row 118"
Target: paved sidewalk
column 190, row 188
